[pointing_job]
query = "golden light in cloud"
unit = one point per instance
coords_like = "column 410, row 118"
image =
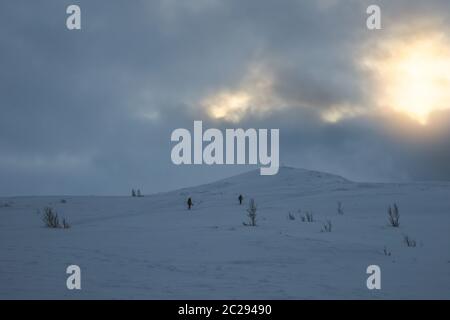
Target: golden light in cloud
column 228, row 105
column 254, row 94
column 338, row 112
column 413, row 75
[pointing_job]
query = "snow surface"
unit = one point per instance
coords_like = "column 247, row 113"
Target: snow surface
column 154, row 248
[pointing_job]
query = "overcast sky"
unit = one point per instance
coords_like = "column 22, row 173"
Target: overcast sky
column 91, row 111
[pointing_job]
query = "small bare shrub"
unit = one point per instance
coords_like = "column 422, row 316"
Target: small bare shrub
column 386, row 251
column 394, row 216
column 291, row 216
column 410, row 242
column 308, row 217
column 65, row 224
column 340, row 209
column 63, row 201
column 5, row 205
column 51, row 219
column 251, row 213
column 327, row 227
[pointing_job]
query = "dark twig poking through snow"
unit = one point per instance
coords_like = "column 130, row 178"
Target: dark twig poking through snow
column 251, row 213
column 394, row 216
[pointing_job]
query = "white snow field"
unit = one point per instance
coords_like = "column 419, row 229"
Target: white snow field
column 154, row 248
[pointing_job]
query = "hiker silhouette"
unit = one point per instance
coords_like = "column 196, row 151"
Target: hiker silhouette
column 189, row 203
column 240, row 198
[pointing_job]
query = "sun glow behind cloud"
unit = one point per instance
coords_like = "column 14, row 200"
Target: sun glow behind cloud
column 254, row 94
column 413, row 75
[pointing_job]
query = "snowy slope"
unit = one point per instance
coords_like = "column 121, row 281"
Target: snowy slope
column 153, row 247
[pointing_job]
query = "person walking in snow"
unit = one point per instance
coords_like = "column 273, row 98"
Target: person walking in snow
column 189, row 203
column 240, row 198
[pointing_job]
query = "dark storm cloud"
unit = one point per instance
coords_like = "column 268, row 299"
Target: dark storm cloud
column 91, row 111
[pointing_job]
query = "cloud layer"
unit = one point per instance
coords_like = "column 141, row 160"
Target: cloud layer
column 91, row 111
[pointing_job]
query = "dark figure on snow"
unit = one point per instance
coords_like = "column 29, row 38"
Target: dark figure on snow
column 189, row 203
column 240, row 198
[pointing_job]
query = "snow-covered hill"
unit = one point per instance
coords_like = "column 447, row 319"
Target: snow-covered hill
column 153, row 247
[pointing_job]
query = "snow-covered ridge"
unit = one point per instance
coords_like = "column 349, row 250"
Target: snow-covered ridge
column 288, row 179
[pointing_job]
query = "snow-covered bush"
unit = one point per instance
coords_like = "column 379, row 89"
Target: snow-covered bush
column 251, row 213
column 394, row 216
